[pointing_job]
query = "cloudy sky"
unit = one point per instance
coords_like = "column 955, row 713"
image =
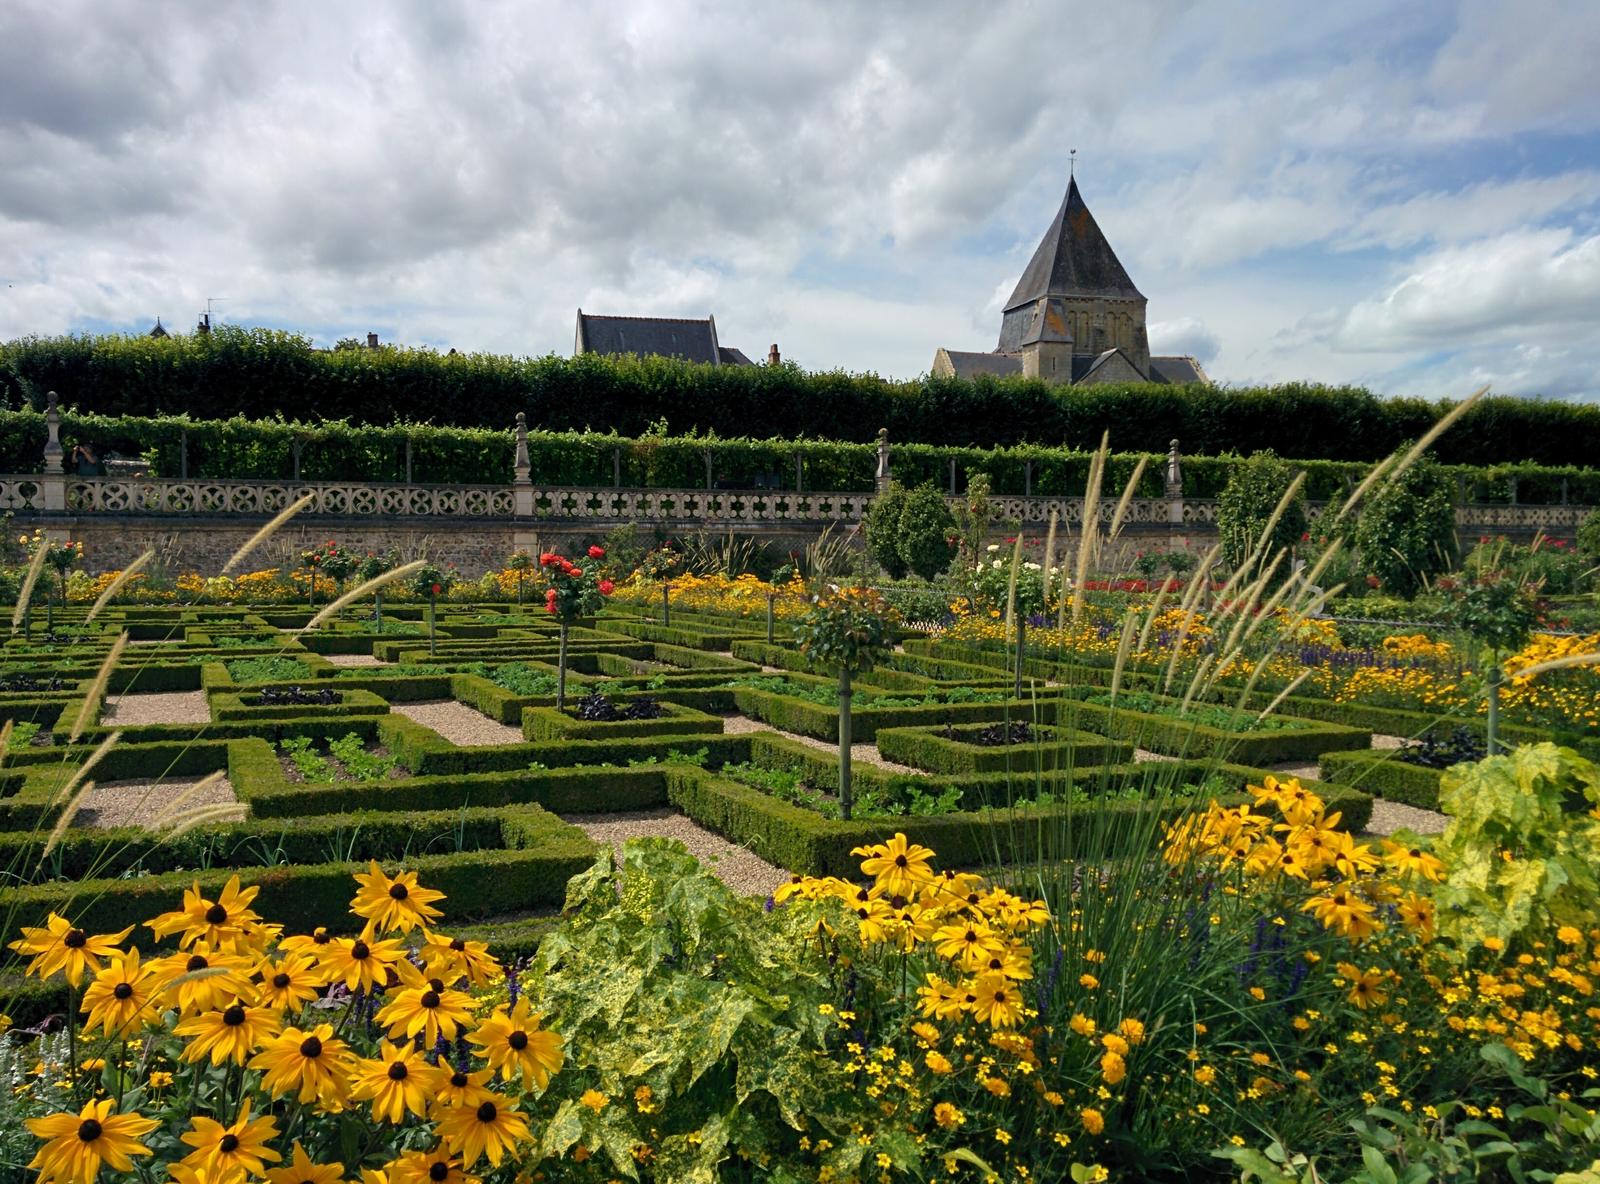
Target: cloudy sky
column 1405, row 195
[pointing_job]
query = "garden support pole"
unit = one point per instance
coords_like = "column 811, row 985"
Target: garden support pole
column 377, row 609
column 1022, row 647
column 433, row 617
column 666, row 609
column 1492, row 723
column 845, row 693
column 561, row 670
column 770, row 598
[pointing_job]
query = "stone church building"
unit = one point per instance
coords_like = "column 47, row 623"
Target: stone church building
column 1074, row 318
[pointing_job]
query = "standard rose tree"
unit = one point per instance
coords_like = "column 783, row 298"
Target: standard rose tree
column 433, row 582
column 571, row 592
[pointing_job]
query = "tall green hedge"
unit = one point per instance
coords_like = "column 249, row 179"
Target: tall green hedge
column 261, row 373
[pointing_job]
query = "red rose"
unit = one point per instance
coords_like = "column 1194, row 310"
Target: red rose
column 597, row 552
column 546, row 558
column 575, row 572
column 605, row 587
column 437, row 589
column 550, row 606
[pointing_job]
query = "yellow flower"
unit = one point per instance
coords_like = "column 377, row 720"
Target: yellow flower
column 398, row 1082
column 241, row 1147
column 314, row 1066
column 1113, row 1068
column 60, row 946
column 1412, row 860
column 218, row 923
column 938, row 1063
column 393, row 906
column 360, row 964
column 77, row 1144
column 1093, row 1121
column 120, row 997
column 594, row 1099
column 230, row 1034
column 288, row 983
column 491, row 1128
column 900, row 867
column 175, row 977
column 998, row 1001
column 1205, row 1075
column 456, row 958
column 302, row 1171
column 1364, row 987
column 512, row 1041
column 998, row 1086
column 427, row 1008
column 1569, row 935
column 1133, row 1030
column 428, row 1167
column 948, row 1116
column 1115, row 1043
column 1082, row 1025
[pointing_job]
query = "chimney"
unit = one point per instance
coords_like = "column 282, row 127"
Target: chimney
column 772, row 355
column 372, row 341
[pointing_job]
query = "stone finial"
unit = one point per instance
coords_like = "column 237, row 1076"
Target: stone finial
column 1174, row 472
column 523, row 466
column 883, row 460
column 52, row 444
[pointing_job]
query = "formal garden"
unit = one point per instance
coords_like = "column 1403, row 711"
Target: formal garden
column 958, row 850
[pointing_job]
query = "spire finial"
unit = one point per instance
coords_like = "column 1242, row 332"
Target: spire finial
column 1072, row 164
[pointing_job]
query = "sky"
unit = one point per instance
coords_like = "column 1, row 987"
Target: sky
column 1400, row 195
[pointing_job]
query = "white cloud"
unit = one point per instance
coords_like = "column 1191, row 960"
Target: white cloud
column 1498, row 288
column 1186, row 335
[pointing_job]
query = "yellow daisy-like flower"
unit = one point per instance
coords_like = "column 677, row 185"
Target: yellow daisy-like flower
column 1342, row 911
column 513, row 1041
column 998, row 1001
column 490, row 1129
column 1411, row 860
column 230, row 1034
column 594, row 1100
column 972, row 943
column 241, row 1147
column 176, row 977
column 301, row 1170
column 398, row 1082
column 462, row 1088
column 426, row 1007
column 76, row 1145
column 288, row 983
column 119, row 998
column 313, row 945
column 58, row 945
column 900, row 867
column 1365, row 986
column 360, row 964
column 218, row 923
column 438, row 1166
column 393, row 906
column 455, row 958
column 314, row 1066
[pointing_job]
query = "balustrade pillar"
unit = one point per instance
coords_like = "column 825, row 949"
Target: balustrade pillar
column 53, row 485
column 1174, row 487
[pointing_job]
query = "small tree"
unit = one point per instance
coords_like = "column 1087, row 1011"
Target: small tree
column 339, row 562
column 371, row 567
column 883, row 530
column 1406, row 530
column 571, row 592
column 521, row 563
column 661, row 565
column 927, row 536
column 1246, row 507
column 60, row 557
column 433, row 582
column 847, row 631
column 1499, row 614
column 1589, row 536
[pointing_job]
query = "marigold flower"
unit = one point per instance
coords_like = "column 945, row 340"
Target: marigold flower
column 947, row 1116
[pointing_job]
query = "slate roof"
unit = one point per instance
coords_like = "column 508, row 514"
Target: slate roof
column 971, row 364
column 690, row 339
column 1177, row 369
column 1100, row 360
column 1073, row 259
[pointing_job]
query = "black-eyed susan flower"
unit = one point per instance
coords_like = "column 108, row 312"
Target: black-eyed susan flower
column 425, row 1007
column 1408, row 859
column 396, row 905
column 76, row 1145
column 1341, row 910
column 513, row 1042
column 312, row 1065
column 359, row 963
column 463, row 1088
column 900, row 867
column 288, row 983
column 971, row 943
column 312, row 944
column 59, row 945
column 230, row 1033
column 118, row 1000
column 452, row 959
column 438, row 1166
column 998, row 1001
column 1366, row 987
column 397, row 1082
column 240, row 1148
column 203, row 979
column 301, row 1170
column 488, row 1130
column 218, row 923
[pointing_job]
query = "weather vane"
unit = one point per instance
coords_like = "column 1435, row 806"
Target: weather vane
column 1072, row 163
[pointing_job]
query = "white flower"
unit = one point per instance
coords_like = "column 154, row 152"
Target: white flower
column 993, row 547
column 997, row 565
column 1030, row 567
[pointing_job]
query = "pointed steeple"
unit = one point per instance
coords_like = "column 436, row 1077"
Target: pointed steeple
column 1073, row 259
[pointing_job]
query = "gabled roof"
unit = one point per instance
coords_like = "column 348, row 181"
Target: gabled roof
column 1178, row 369
column 971, row 364
column 1102, row 359
column 672, row 337
column 733, row 357
column 1073, row 259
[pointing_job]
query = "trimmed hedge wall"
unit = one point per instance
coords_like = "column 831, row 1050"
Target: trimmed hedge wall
column 931, row 749
column 1380, row 773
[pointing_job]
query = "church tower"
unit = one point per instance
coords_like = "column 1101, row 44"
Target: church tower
column 1074, row 301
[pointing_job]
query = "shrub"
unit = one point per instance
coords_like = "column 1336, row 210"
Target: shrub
column 927, row 538
column 883, row 530
column 1246, row 507
column 1406, row 530
column 1589, row 536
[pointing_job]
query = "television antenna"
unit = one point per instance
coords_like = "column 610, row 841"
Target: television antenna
column 210, row 300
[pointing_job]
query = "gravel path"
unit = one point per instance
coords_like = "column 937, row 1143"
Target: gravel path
column 166, row 707
column 860, row 754
column 138, row 803
column 458, row 723
column 1380, row 741
column 1296, row 769
column 738, row 868
column 353, row 660
column 1388, row 817
column 1144, row 754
